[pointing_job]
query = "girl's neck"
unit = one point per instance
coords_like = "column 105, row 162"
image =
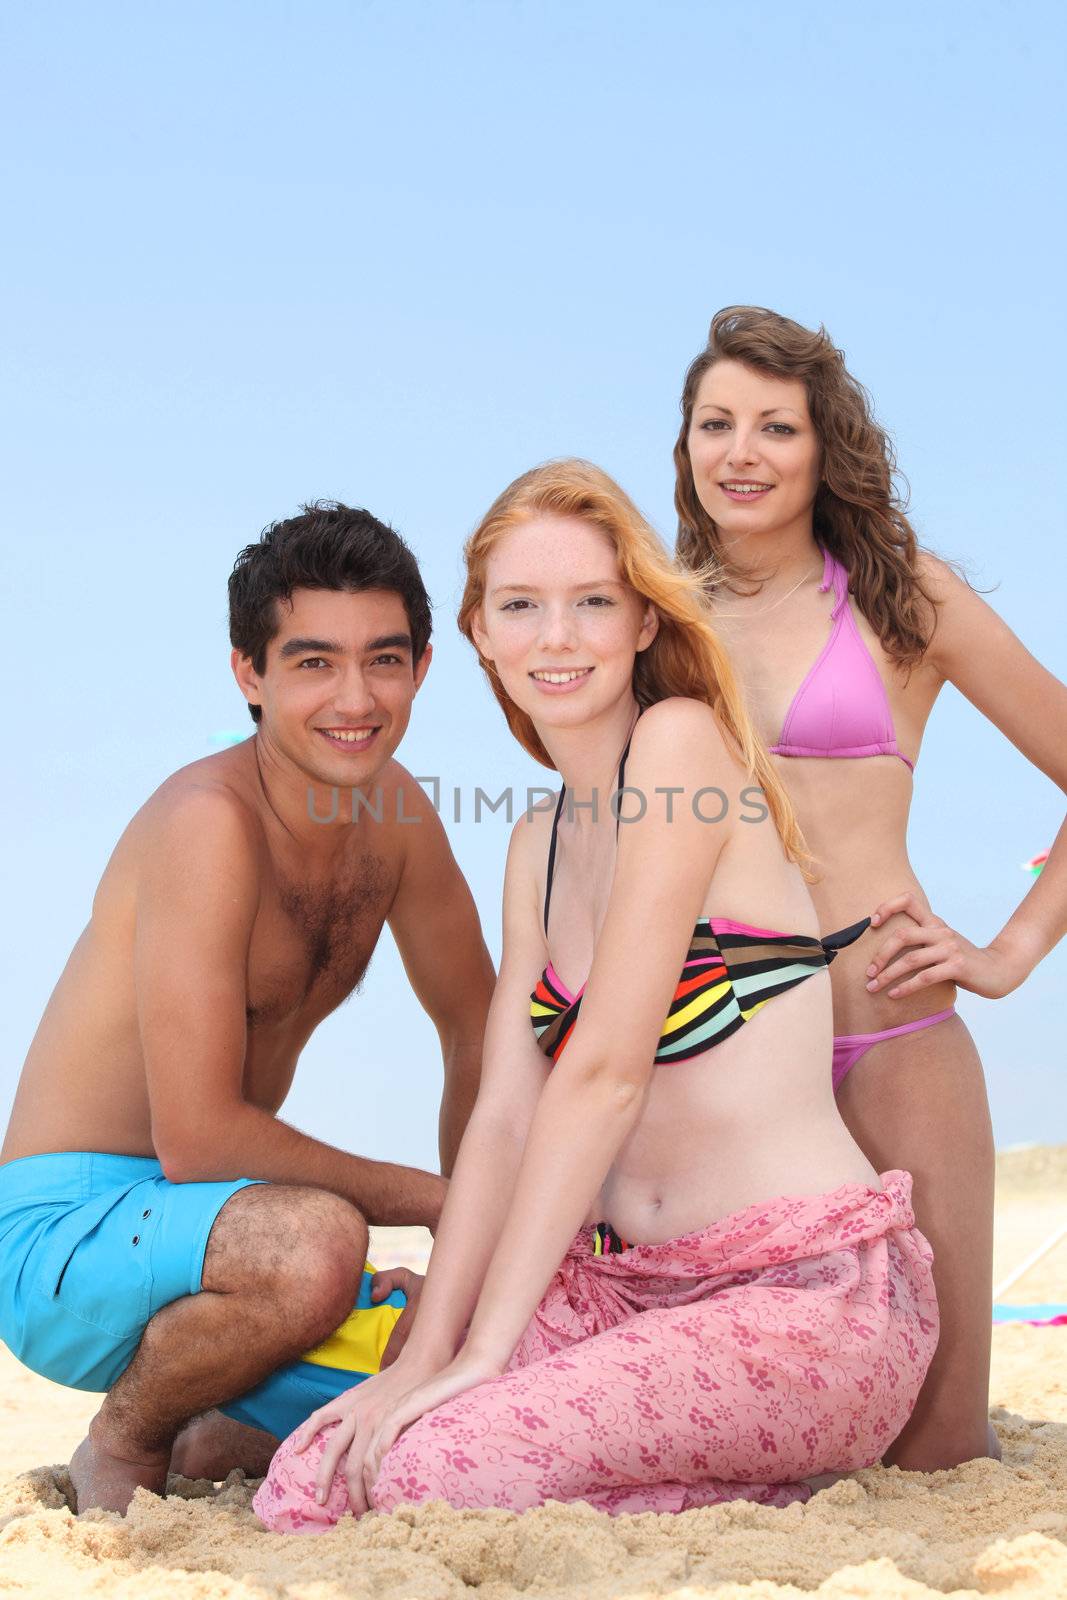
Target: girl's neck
column 775, row 558
column 587, row 758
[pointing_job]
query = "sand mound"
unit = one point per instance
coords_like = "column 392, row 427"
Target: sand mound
column 986, row 1528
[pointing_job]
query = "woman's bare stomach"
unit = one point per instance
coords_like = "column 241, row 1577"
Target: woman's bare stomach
column 749, row 1120
column 854, row 815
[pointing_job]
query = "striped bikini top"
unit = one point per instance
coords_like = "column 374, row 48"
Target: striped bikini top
column 730, row 971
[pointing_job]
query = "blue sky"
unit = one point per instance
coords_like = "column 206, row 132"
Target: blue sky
column 397, row 254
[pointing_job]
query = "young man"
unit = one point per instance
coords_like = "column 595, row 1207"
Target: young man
column 137, row 1254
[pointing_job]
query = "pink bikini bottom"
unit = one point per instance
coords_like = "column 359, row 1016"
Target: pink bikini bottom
column 849, row 1047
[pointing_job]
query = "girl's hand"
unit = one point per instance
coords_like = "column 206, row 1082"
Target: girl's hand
column 349, row 1423
column 465, row 1372
column 927, row 951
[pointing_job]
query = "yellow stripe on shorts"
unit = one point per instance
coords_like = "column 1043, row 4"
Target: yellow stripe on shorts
column 359, row 1343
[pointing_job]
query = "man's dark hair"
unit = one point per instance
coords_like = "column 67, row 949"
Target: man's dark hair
column 329, row 546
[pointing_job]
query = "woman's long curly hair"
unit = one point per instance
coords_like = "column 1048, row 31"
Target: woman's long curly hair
column 685, row 658
column 859, row 514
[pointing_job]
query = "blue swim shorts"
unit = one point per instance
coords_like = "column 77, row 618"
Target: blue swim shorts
column 92, row 1246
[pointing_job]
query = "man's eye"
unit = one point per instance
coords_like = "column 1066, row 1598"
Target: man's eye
column 386, row 661
column 314, row 661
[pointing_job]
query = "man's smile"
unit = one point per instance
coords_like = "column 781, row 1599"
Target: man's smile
column 350, row 739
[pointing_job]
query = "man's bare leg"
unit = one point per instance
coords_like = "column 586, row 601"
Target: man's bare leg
column 213, row 1445
column 281, row 1271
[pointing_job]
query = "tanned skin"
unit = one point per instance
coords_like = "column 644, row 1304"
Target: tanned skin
column 228, row 923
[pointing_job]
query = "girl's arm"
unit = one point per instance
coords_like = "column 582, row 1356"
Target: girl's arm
column 596, row 1092
column 513, row 1075
column 514, row 1071
column 976, row 650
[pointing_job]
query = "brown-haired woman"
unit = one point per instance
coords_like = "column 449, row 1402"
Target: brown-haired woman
column 843, row 632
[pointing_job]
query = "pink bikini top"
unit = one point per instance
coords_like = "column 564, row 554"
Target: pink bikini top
column 841, row 709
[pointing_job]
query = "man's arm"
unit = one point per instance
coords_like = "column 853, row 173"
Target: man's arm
column 436, row 928
column 198, row 894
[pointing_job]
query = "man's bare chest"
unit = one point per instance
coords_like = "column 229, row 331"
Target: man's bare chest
column 313, row 940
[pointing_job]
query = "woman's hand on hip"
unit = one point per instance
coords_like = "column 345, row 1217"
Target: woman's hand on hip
column 925, row 951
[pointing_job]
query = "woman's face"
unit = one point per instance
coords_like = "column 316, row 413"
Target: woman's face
column 753, row 449
column 559, row 623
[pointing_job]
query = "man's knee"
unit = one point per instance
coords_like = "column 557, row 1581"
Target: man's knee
column 303, row 1247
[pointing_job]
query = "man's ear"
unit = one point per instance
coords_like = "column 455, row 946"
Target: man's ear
column 649, row 627
column 247, row 677
column 422, row 667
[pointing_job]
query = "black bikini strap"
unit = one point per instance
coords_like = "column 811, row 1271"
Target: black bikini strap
column 555, row 824
column 552, row 854
column 844, row 936
column 622, row 782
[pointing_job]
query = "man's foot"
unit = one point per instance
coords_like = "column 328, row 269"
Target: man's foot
column 104, row 1476
column 212, row 1445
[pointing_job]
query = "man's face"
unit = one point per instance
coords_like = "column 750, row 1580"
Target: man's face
column 338, row 683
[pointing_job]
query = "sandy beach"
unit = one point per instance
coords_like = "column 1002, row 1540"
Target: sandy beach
column 984, row 1529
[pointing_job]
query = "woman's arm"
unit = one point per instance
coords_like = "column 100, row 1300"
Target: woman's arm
column 976, row 650
column 513, row 1075
column 596, row 1092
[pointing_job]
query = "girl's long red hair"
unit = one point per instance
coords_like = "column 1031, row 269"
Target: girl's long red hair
column 685, row 658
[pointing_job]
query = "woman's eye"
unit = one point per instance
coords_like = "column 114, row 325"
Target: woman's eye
column 781, row 427
column 714, row 424
column 516, row 605
column 597, row 600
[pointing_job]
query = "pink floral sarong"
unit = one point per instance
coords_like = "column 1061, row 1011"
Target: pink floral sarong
column 787, row 1340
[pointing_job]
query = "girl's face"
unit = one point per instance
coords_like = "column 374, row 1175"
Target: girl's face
column 559, row 623
column 753, row 448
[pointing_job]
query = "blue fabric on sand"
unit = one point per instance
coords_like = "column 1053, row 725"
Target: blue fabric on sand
column 91, row 1247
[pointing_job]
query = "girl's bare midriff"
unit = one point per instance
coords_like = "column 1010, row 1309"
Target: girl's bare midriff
column 754, row 1116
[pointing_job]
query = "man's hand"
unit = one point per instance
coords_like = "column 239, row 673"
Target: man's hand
column 383, row 1285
